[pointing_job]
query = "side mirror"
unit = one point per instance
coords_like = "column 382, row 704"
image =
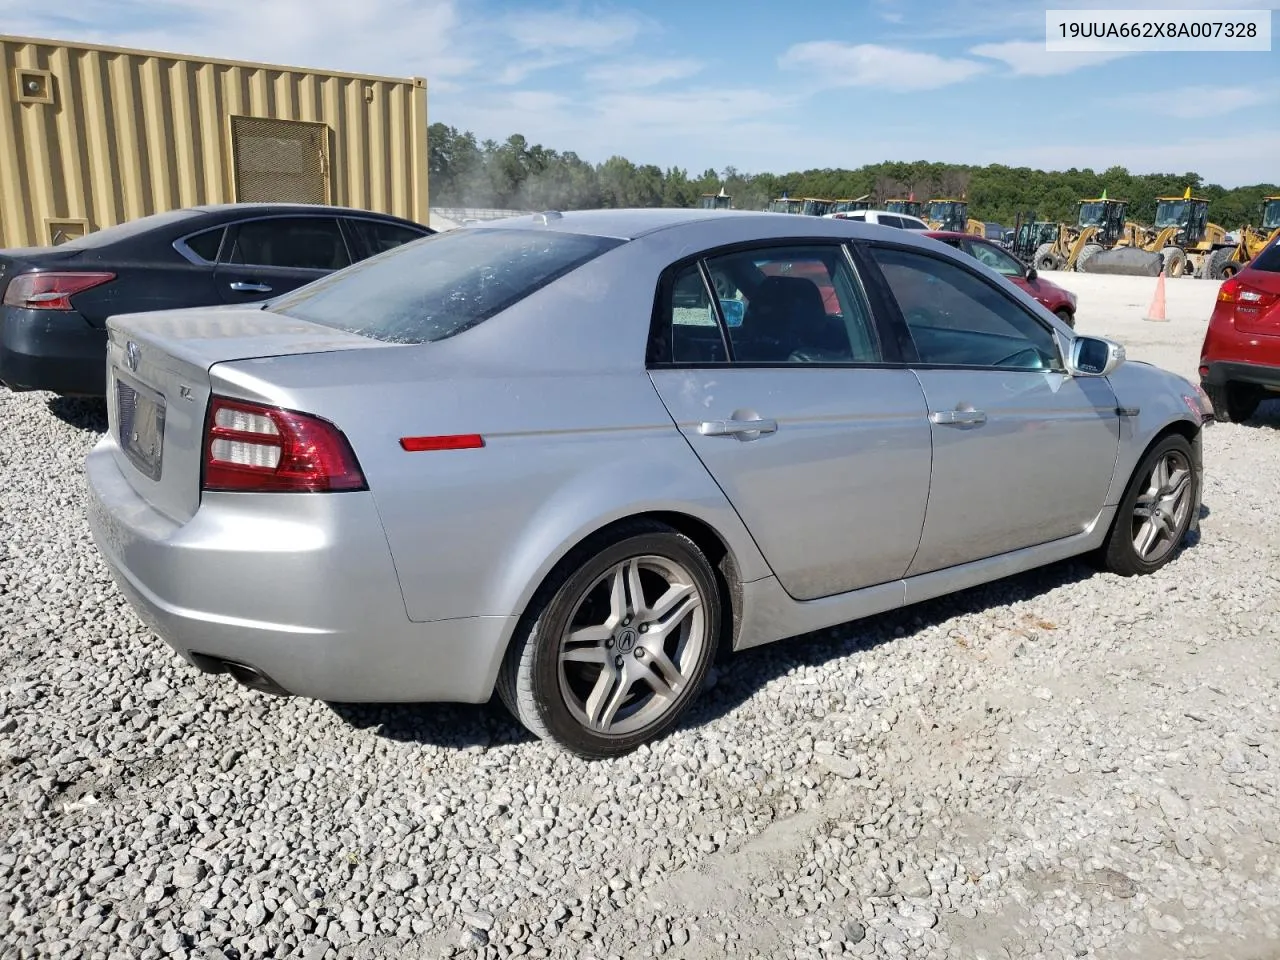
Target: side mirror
column 1095, row 356
column 1031, row 274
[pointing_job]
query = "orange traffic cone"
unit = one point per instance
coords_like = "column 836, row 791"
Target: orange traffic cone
column 1156, row 310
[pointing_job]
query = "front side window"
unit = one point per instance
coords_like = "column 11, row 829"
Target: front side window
column 377, row 236
column 959, row 319
column 449, row 282
column 996, row 259
column 299, row 243
column 793, row 304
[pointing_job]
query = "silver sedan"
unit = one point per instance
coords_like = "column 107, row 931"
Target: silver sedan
column 568, row 457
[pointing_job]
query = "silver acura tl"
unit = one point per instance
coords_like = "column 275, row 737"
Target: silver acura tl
column 568, row 456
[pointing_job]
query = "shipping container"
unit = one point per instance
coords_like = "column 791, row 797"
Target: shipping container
column 91, row 136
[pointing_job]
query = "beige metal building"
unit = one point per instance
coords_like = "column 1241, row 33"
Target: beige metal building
column 91, row 136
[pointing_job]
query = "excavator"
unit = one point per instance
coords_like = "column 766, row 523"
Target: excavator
column 1227, row 261
column 715, row 201
column 1182, row 235
column 953, row 215
column 1100, row 224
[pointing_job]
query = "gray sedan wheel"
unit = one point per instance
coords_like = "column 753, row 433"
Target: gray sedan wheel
column 1155, row 513
column 619, row 644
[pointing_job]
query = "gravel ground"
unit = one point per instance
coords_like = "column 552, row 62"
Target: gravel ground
column 1064, row 764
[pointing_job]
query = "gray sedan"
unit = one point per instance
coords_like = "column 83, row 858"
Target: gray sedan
column 568, row 457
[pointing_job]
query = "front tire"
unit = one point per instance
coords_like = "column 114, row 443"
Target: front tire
column 1090, row 251
column 1045, row 258
column 617, row 644
column 1155, row 513
column 1175, row 261
column 1067, row 317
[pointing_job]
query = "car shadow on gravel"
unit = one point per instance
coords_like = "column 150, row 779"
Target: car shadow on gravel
column 737, row 677
column 1267, row 416
column 83, row 413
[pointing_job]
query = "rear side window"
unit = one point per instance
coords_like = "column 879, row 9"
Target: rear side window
column 205, row 245
column 298, row 243
column 378, row 237
column 449, row 282
column 1268, row 259
column 889, row 220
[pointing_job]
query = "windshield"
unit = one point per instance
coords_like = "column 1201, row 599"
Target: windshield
column 439, row 286
column 1171, row 213
column 1271, row 215
column 940, row 211
column 1092, row 214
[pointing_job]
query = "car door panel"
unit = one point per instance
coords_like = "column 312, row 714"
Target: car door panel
column 267, row 257
column 835, row 496
column 1023, row 453
column 1036, row 469
column 822, row 449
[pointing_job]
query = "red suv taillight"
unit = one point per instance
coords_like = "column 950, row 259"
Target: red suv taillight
column 1233, row 290
column 51, row 291
column 251, row 447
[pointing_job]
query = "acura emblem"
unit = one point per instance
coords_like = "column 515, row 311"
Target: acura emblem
column 131, row 354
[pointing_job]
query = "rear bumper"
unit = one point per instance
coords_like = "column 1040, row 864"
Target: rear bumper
column 52, row 350
column 297, row 588
column 1225, row 371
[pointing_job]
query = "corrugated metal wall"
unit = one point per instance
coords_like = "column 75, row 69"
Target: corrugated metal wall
column 103, row 135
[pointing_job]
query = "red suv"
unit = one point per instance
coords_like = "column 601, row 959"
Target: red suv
column 1057, row 300
column 1240, row 359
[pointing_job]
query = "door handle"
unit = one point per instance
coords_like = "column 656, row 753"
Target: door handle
column 239, row 286
column 741, row 429
column 958, row 417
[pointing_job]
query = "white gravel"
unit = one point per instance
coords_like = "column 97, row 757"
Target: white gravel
column 1065, row 764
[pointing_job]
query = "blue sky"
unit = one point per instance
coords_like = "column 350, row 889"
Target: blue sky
column 760, row 86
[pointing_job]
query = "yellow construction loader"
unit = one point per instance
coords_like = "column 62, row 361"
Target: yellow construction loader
column 715, row 201
column 852, row 205
column 1099, row 226
column 1182, row 235
column 953, row 216
column 1227, row 261
column 911, row 207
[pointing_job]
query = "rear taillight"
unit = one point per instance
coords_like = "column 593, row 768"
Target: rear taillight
column 251, row 447
column 51, row 291
column 1241, row 294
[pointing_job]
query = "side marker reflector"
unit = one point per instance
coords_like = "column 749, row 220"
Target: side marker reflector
column 458, row 441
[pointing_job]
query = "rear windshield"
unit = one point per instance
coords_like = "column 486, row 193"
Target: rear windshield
column 1268, row 259
column 439, row 286
column 130, row 228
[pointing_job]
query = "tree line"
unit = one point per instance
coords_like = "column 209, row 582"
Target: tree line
column 518, row 175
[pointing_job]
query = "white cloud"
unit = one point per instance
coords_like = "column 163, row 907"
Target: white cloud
column 1029, row 58
column 562, row 30
column 392, row 37
column 1197, row 103
column 643, row 73
column 870, row 65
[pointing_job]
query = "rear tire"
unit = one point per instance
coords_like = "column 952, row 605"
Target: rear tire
column 1045, row 258
column 1067, row 317
column 1233, row 402
column 1155, row 512
column 617, row 642
column 1175, row 261
column 1090, row 250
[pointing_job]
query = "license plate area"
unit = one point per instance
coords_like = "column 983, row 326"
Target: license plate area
column 140, row 426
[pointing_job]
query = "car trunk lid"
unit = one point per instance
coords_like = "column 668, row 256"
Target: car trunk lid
column 158, row 387
column 1256, row 294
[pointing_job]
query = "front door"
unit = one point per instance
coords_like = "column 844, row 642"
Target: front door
column 825, row 457
column 265, row 258
column 1023, row 453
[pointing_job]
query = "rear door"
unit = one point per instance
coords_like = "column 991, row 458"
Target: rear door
column 263, row 258
column 1023, row 453
column 821, row 447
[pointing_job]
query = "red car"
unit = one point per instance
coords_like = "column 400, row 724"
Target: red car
column 1240, row 359
column 1057, row 300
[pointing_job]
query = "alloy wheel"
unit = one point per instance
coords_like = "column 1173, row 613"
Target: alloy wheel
column 1161, row 510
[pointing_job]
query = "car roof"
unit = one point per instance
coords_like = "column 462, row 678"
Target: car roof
column 632, row 223
column 295, row 208
column 953, row 235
